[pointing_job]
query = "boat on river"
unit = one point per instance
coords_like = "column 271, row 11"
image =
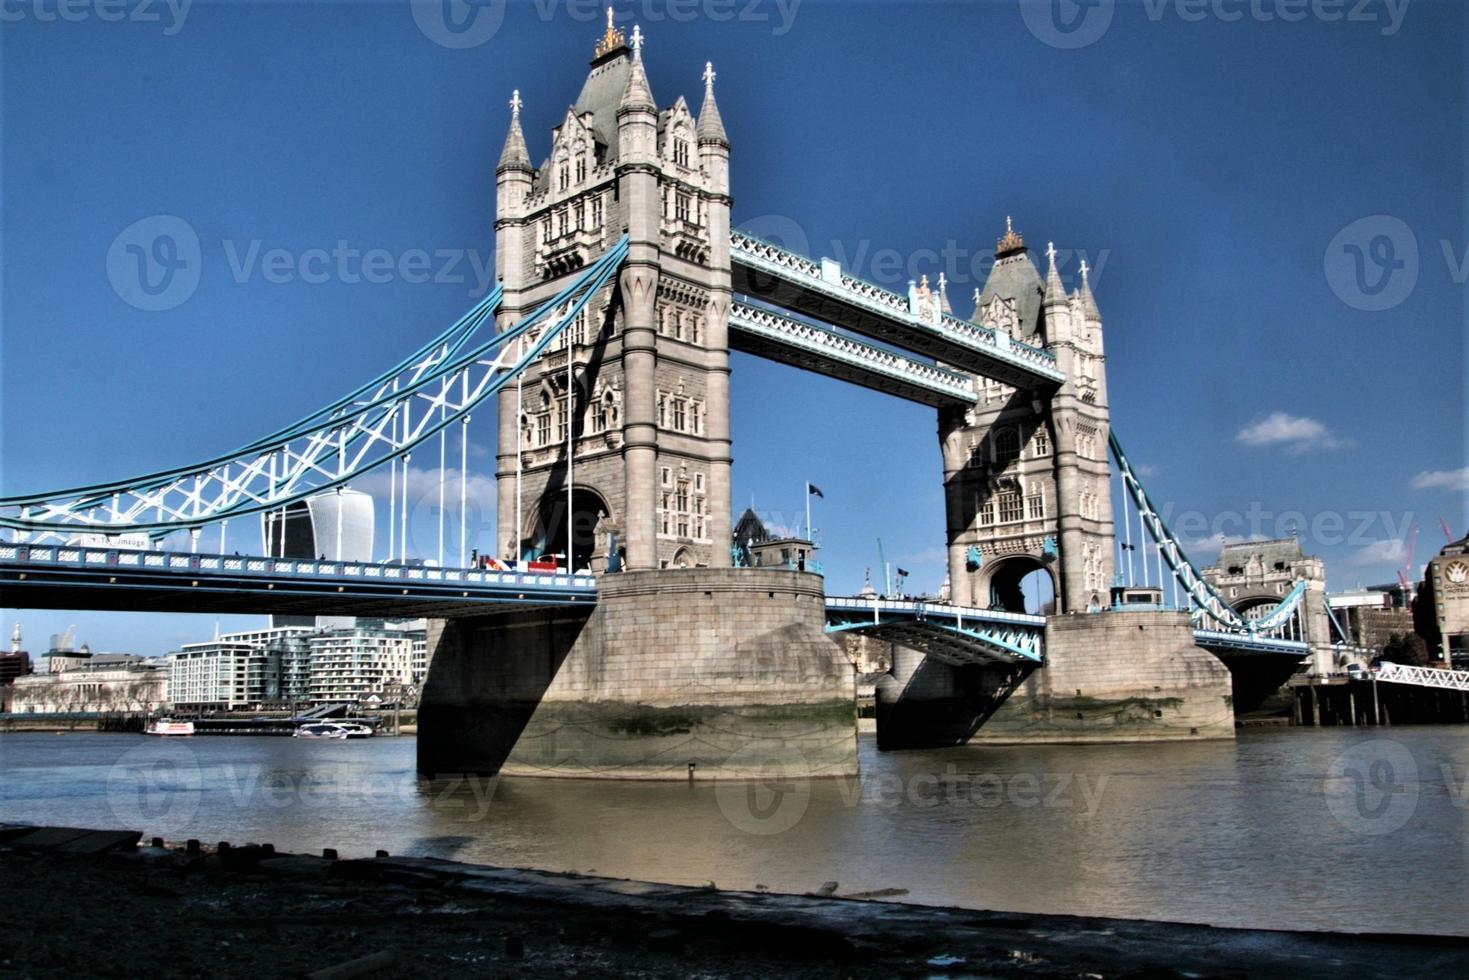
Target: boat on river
column 167, row 726
column 334, row 730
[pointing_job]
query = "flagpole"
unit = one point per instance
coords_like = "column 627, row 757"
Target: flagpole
column 808, row 513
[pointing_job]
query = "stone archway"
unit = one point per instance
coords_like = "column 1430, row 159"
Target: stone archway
column 587, row 507
column 1019, row 583
column 1257, row 605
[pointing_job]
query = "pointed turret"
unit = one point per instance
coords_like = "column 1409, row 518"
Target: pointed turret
column 944, row 295
column 515, row 156
column 1085, row 299
column 636, row 95
column 514, row 177
column 1055, row 292
column 711, row 126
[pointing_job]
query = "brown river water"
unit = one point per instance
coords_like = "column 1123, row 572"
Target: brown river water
column 1342, row 829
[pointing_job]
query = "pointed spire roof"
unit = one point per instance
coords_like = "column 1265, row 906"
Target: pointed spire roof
column 515, row 155
column 1084, row 295
column 1055, row 292
column 1014, row 278
column 944, row 295
column 637, row 94
column 711, row 126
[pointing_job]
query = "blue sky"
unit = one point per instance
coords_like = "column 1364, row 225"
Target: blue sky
column 1221, row 175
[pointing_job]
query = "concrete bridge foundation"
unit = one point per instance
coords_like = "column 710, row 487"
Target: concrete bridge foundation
column 1109, row 677
column 676, row 674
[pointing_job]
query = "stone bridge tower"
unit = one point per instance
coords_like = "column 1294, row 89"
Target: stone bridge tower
column 1254, row 576
column 1026, row 473
column 647, row 400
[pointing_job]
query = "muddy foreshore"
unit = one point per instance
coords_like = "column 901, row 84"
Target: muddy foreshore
column 94, row 903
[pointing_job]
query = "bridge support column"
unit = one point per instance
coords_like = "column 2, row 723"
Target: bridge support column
column 1118, row 677
column 676, row 674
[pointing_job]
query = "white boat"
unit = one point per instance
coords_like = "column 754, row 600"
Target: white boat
column 334, row 729
column 167, row 726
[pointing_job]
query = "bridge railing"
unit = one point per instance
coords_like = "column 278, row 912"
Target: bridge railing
column 1245, row 641
column 921, row 607
column 246, row 565
column 1446, row 680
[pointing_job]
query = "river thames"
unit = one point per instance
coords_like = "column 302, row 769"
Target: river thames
column 1346, row 829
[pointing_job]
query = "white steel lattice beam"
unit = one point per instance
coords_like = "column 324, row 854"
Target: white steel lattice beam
column 385, row 421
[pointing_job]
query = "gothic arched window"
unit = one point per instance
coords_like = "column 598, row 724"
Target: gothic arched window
column 1007, row 445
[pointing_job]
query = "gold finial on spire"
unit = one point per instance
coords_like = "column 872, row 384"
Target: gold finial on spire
column 1011, row 243
column 612, row 39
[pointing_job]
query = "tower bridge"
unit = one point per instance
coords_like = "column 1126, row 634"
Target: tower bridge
column 605, row 346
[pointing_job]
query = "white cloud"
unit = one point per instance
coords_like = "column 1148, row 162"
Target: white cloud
column 1146, row 470
column 423, row 487
column 1443, row 480
column 1216, row 541
column 1393, row 551
column 1296, row 433
column 928, row 556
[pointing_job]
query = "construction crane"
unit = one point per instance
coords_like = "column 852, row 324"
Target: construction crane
column 1407, row 572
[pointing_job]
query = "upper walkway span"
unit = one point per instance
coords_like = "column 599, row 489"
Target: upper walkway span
column 823, row 291
column 785, row 340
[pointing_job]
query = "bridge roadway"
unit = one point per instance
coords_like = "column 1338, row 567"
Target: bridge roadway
column 820, row 290
column 81, row 577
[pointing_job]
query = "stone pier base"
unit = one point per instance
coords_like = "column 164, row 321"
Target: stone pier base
column 676, row 674
column 1118, row 677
